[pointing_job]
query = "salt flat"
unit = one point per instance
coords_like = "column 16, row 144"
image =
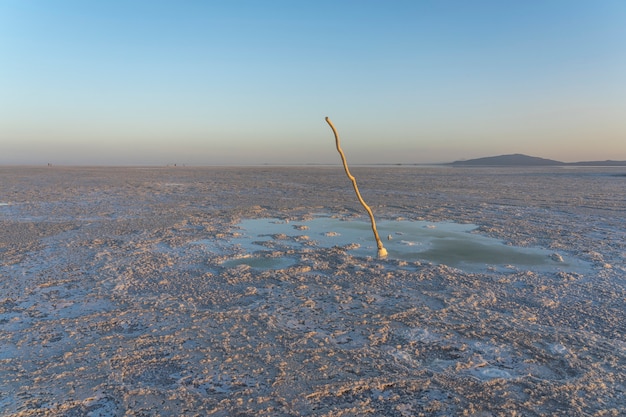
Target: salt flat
column 144, row 291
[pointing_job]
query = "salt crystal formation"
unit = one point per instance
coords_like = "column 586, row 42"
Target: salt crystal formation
column 125, row 292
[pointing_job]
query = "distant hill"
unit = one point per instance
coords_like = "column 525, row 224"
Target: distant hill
column 525, row 160
column 508, row 160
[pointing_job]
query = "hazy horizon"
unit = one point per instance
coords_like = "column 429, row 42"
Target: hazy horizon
column 248, row 83
column 235, row 164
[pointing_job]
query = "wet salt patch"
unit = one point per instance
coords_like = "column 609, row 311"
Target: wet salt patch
column 259, row 262
column 400, row 356
column 422, row 335
column 12, row 211
column 445, row 243
column 559, row 349
column 491, row 373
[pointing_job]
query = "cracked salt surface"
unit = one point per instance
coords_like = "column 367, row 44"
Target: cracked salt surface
column 134, row 292
column 446, row 243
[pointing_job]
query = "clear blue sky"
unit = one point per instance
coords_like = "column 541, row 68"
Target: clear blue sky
column 247, row 82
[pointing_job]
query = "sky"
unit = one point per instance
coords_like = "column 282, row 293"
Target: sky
column 237, row 82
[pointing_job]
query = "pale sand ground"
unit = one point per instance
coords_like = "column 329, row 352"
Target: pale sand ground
column 110, row 307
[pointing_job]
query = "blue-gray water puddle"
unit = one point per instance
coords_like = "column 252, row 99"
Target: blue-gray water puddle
column 452, row 244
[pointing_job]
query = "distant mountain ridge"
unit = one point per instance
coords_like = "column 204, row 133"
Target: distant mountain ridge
column 525, row 160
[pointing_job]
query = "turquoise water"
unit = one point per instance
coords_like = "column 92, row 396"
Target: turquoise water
column 453, row 244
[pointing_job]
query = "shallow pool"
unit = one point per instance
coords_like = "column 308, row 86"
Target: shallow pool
column 453, row 244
